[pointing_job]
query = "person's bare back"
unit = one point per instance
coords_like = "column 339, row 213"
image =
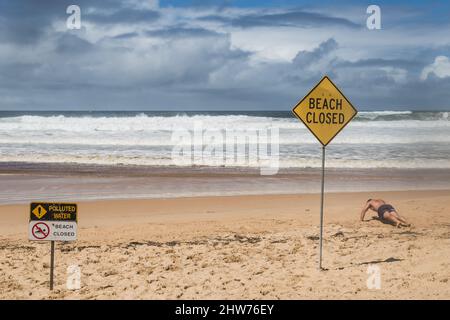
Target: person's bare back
column 385, row 212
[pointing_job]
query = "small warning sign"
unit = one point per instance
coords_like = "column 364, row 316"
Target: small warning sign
column 53, row 211
column 325, row 111
column 52, row 222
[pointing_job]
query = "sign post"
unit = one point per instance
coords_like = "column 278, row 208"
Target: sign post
column 52, row 222
column 321, row 206
column 325, row 111
column 52, row 262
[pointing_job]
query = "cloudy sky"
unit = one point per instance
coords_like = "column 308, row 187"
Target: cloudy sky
column 221, row 55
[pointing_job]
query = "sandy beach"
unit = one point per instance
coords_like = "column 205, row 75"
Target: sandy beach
column 236, row 247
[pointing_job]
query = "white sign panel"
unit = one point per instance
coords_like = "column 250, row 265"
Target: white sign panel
column 46, row 230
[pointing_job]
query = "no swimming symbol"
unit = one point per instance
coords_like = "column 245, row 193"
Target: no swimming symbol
column 40, row 230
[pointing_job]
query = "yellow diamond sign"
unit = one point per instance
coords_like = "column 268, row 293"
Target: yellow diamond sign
column 325, row 111
column 39, row 211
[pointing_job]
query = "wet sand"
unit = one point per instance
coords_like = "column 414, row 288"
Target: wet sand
column 236, row 247
column 27, row 182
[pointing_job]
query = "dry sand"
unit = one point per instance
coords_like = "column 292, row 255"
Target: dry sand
column 238, row 247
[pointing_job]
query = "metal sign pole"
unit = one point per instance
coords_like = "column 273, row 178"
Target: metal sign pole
column 52, row 263
column 321, row 207
column 310, row 110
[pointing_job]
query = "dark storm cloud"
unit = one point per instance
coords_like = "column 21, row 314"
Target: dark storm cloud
column 379, row 62
column 26, row 21
column 305, row 58
column 68, row 43
column 182, row 32
column 127, row 35
column 286, row 19
column 371, row 83
column 216, row 18
column 415, row 61
column 15, row 74
column 432, row 94
column 123, row 16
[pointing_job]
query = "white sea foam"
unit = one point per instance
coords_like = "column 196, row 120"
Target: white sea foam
column 401, row 139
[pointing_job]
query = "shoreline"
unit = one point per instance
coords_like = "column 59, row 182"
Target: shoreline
column 23, row 184
column 50, row 168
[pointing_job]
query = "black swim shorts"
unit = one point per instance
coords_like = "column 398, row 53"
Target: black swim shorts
column 383, row 208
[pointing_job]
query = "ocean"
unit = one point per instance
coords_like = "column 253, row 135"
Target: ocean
column 378, row 139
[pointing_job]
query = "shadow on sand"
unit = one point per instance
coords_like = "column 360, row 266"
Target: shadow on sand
column 388, row 260
column 383, row 221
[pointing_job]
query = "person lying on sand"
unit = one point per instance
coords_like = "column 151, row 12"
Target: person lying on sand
column 385, row 212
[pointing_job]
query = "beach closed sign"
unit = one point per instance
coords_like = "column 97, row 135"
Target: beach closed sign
column 325, row 111
column 52, row 222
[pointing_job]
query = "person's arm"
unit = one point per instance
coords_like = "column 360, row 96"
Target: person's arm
column 364, row 210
